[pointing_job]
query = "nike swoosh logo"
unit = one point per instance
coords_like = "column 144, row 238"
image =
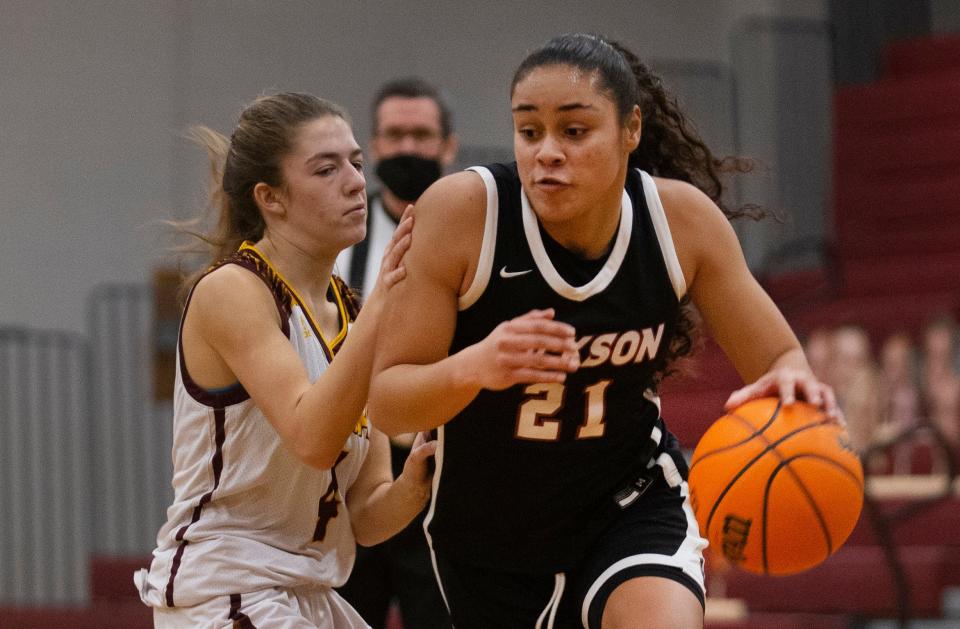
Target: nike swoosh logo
column 504, row 273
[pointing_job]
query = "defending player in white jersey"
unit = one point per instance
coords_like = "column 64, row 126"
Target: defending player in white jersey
column 277, row 473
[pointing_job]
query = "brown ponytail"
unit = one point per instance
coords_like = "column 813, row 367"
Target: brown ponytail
column 264, row 135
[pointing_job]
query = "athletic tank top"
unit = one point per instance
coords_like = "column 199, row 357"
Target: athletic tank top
column 528, row 477
column 247, row 514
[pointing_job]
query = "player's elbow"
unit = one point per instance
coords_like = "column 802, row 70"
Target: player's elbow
column 322, row 463
column 316, row 455
column 384, row 418
column 367, row 538
column 368, row 530
column 382, row 414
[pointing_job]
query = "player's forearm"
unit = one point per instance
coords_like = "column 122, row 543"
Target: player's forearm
column 322, row 426
column 409, row 398
column 386, row 511
column 792, row 358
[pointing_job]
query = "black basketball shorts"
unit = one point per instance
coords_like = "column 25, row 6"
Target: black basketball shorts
column 655, row 535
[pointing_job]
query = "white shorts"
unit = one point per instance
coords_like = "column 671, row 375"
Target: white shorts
column 278, row 608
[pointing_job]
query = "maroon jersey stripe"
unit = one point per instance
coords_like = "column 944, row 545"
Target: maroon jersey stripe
column 217, row 465
column 240, row 620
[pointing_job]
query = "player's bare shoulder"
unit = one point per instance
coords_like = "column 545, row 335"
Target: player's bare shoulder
column 227, row 283
column 457, row 200
column 699, row 228
column 686, row 206
column 448, row 226
column 227, row 298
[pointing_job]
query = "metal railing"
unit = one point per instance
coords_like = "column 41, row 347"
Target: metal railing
column 84, row 448
column 45, row 466
column 131, row 433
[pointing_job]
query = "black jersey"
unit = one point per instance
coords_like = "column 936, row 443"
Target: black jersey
column 528, row 477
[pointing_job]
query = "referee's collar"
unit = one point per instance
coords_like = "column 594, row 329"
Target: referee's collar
column 375, row 204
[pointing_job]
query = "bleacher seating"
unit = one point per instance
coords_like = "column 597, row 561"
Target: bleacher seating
column 896, row 247
column 896, row 260
column 920, row 57
column 853, row 581
column 936, row 526
column 897, row 182
column 782, row 621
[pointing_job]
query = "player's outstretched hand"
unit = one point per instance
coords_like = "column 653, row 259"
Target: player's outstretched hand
column 790, row 383
column 530, row 348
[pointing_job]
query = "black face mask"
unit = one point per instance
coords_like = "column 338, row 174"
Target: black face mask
column 408, row 176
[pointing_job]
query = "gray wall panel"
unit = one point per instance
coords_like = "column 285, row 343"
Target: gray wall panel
column 45, row 423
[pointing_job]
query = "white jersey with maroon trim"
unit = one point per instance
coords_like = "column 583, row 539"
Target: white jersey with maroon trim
column 247, row 514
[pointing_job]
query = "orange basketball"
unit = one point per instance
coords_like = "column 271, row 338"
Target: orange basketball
column 777, row 489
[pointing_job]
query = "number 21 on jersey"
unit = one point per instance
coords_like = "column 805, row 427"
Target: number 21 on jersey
column 535, row 418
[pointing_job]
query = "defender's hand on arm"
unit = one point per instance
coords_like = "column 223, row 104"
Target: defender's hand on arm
column 416, row 477
column 380, row 507
column 392, row 269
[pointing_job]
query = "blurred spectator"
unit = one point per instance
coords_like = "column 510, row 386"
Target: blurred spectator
column 912, row 386
column 940, row 381
column 899, row 398
column 818, row 349
column 413, row 143
column 853, row 374
column 900, row 393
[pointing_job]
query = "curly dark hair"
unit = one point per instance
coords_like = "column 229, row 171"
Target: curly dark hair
column 669, row 144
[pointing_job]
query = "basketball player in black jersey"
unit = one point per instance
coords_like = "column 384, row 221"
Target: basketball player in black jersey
column 545, row 301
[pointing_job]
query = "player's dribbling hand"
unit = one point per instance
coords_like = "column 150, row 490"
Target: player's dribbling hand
column 391, row 265
column 789, row 383
column 527, row 349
